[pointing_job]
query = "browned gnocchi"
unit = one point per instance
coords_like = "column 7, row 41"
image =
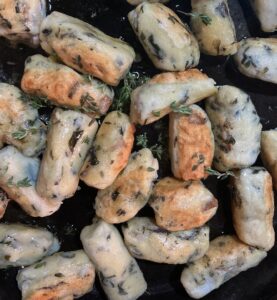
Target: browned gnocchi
column 110, row 151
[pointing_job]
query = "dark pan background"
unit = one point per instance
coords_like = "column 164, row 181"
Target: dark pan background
column 163, row 280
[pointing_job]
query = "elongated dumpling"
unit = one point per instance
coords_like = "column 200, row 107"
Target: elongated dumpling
column 215, row 32
column 110, row 151
column 137, row 2
column 62, row 276
column 145, row 240
column 269, row 153
column 4, row 201
column 20, row 20
column 236, row 127
column 65, row 87
column 22, row 245
column 191, row 144
column 68, row 141
column 253, row 207
column 166, row 39
column 130, row 191
column 182, row 205
column 19, row 122
column 226, row 258
column 266, row 11
column 257, row 58
column 119, row 273
column 85, row 48
column 18, row 176
column 166, row 91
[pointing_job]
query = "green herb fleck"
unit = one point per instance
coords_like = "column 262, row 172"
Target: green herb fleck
column 204, row 18
column 157, row 149
column 35, row 101
column 156, row 113
column 24, row 182
column 39, row 265
column 88, row 104
column 86, row 140
column 182, row 109
column 219, row 175
column 149, row 169
column 142, row 140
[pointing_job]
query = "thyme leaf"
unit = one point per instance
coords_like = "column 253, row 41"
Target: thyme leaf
column 204, row 18
column 21, row 133
column 25, row 182
column 122, row 94
column 219, row 175
column 183, row 109
column 35, row 101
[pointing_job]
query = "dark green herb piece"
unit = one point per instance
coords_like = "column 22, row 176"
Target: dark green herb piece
column 21, row 133
column 156, row 113
column 204, row 18
column 88, row 104
column 219, row 175
column 183, row 109
column 25, row 182
column 149, row 169
column 35, row 101
column 156, row 149
column 142, row 140
column 86, row 140
column 39, row 265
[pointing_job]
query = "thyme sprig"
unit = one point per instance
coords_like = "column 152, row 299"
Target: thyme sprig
column 123, row 93
column 204, row 18
column 219, row 175
column 183, row 109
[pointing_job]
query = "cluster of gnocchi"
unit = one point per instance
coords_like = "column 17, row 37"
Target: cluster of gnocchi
column 76, row 77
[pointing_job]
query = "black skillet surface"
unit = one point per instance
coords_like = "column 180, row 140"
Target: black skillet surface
column 163, row 280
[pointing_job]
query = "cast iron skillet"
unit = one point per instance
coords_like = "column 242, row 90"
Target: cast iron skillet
column 163, row 280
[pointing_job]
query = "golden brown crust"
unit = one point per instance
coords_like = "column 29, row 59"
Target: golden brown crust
column 269, row 153
column 64, row 86
column 191, row 144
column 76, row 286
column 130, row 191
column 182, row 205
column 111, row 150
column 155, row 95
column 4, row 201
column 183, row 76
